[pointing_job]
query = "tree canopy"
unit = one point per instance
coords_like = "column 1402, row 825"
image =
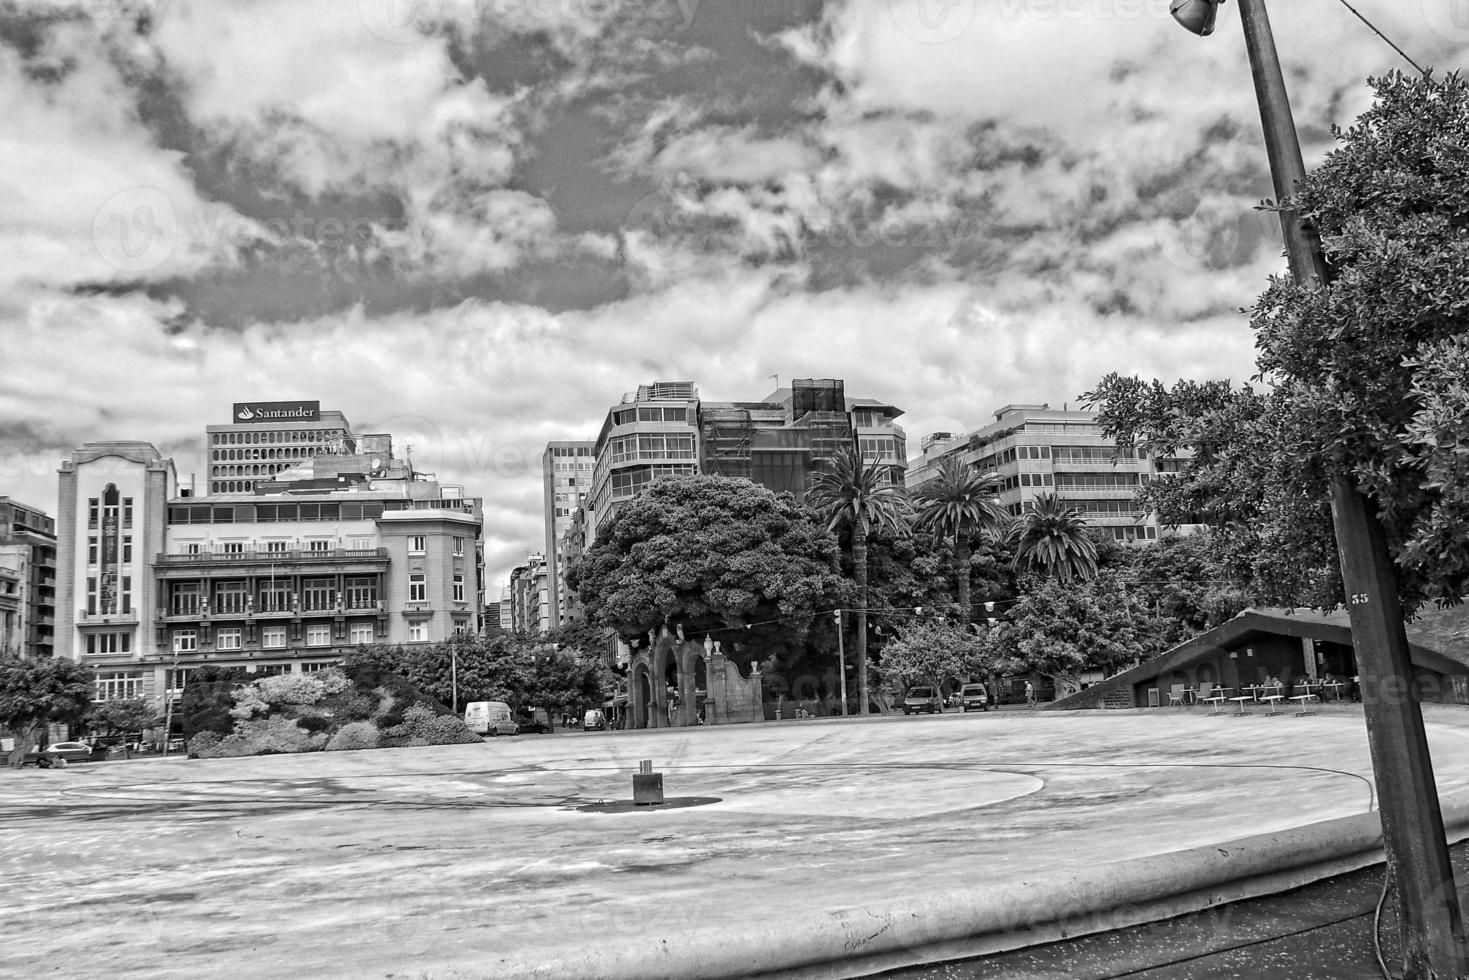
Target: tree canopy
column 1364, row 373
column 711, row 553
column 37, row 691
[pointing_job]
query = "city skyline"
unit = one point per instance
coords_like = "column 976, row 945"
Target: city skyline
column 475, row 225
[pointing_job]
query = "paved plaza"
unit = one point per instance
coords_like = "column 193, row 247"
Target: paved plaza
column 835, row 847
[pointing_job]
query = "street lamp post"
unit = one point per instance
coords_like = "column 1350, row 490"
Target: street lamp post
column 1412, row 823
column 841, row 661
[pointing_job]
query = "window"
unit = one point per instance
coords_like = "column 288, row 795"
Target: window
column 127, row 594
column 117, row 686
column 319, row 635
column 109, row 642
column 417, row 544
column 229, row 598
column 228, row 639
column 193, row 548
column 91, row 595
column 185, row 641
column 275, row 597
column 185, row 599
column 458, row 547
column 234, row 547
column 418, row 587
column 92, row 549
column 312, row 668
column 418, row 632
column 273, row 637
column 275, row 547
column 127, row 548
column 458, row 588
column 319, row 545
column 317, row 594
column 360, row 633
column 361, row 592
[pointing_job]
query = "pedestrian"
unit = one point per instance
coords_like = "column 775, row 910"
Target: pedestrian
column 1029, row 694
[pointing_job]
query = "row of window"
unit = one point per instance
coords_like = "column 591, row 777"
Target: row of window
column 274, row 637
column 255, row 437
column 93, row 548
column 247, row 455
column 879, row 448
column 654, row 445
column 248, row 469
column 649, row 413
column 571, row 451
column 274, row 512
column 316, row 595
column 109, row 596
column 109, row 510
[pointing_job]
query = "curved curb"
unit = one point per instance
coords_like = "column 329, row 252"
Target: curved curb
column 860, row 940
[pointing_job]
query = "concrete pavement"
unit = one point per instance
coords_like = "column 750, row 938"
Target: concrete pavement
column 837, row 847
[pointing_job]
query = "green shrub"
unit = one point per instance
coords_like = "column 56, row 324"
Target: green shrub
column 203, row 744
column 355, row 735
column 266, row 736
column 421, row 725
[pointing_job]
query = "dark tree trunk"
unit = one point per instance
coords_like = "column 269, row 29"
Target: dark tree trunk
column 859, row 569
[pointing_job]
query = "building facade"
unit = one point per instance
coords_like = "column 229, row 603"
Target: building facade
column 158, row 583
column 1035, row 449
column 530, row 596
column 265, row 438
column 28, row 536
column 566, row 477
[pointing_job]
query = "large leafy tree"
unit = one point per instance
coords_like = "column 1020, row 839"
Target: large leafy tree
column 1062, row 629
column 958, row 503
column 711, row 554
column 38, row 691
column 131, row 715
column 931, row 650
column 858, row 495
column 1053, row 539
column 1365, row 371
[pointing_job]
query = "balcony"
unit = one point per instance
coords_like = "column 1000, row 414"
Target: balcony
column 259, row 562
column 85, row 618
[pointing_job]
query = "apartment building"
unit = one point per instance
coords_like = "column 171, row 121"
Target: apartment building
column 157, row 582
column 566, row 476
column 28, row 538
column 1036, row 449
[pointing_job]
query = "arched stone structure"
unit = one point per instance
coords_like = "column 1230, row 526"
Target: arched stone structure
column 731, row 697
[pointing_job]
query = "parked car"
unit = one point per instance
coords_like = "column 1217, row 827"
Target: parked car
column 594, row 721
column 922, row 699
column 70, row 751
column 974, row 696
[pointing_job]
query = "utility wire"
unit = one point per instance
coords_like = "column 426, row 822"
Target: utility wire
column 1373, row 28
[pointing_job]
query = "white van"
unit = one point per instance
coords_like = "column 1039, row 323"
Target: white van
column 490, row 718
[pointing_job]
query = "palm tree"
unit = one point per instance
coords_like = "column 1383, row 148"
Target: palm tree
column 958, row 504
column 1051, row 538
column 851, row 492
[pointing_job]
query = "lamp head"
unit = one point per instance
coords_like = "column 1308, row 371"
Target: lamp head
column 1196, row 16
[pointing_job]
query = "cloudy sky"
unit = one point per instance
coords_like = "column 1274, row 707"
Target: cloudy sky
column 476, row 224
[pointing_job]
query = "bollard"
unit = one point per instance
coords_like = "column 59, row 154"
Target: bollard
column 647, row 785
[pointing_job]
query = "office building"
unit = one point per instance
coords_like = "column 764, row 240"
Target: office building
column 1035, row 449
column 264, row 438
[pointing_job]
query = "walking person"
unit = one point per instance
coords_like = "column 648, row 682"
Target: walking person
column 1029, row 695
